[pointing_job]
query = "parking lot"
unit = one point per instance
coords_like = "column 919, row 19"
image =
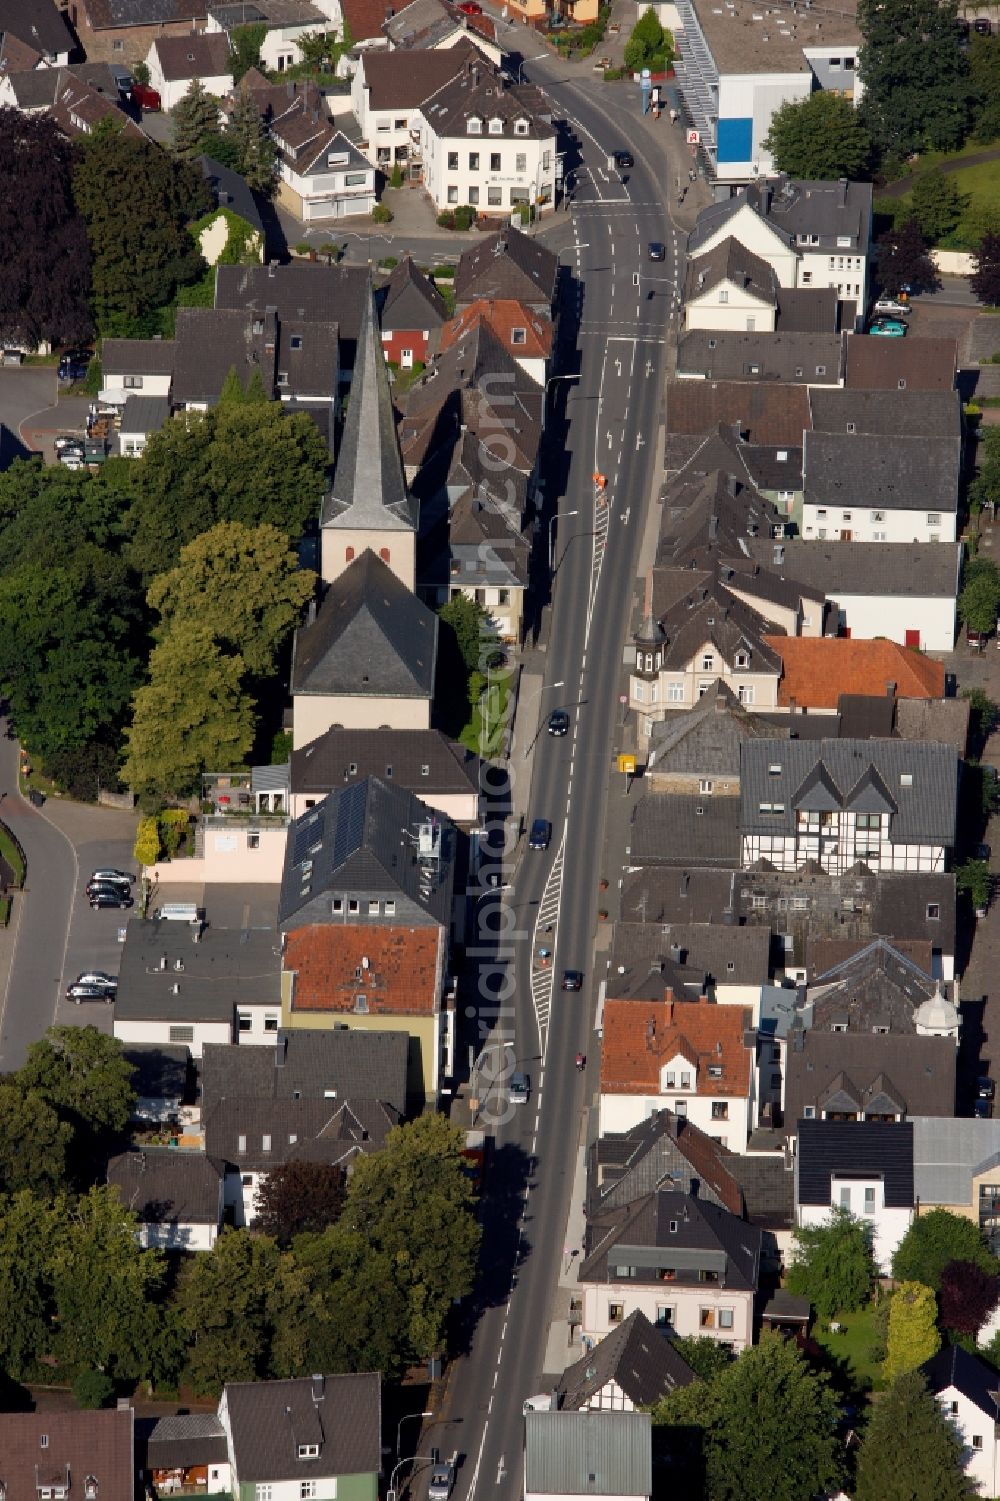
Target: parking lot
column 25, row 392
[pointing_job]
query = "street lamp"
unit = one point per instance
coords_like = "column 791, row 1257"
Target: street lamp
column 553, row 378
column 391, row 1494
column 556, row 516
column 405, row 1418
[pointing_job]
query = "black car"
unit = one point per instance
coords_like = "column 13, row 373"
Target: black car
column 572, row 979
column 558, row 722
column 624, row 159
column 541, row 833
column 70, row 372
column 79, row 993
column 981, row 26
column 36, row 798
column 985, row 1087
column 106, row 897
column 983, row 1110
column 657, row 251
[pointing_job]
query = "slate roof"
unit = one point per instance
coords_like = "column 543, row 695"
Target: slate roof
column 945, row 720
column 764, row 414
column 876, row 985
column 36, row 23
column 920, row 1069
column 368, row 491
column 949, row 1154
column 641, row 1036
column 642, row 1361
column 137, row 356
column 874, row 364
column 895, row 473
column 423, row 761
column 342, row 1063
column 710, row 615
column 361, row 838
column 507, row 264
column 38, row 88
column 209, row 342
column 254, row 1135
column 674, row 829
column 862, row 1149
column 301, row 292
column 890, row 414
column 767, row 1183
column 706, row 739
column 818, row 670
column 792, row 358
column 112, row 13
column 409, row 299
column 370, row 637
column 710, row 508
column 187, row 1438
column 588, row 1453
column 80, row 1444
column 655, row 894
column 402, row 80
column 397, row 969
column 698, row 954
column 663, row 1151
column 162, row 1186
column 145, row 414
column 479, row 91
column 670, row 1224
column 226, row 968
column 269, row 1419
column 198, row 55
column 956, row 1367
column 846, row 569
column 731, row 261
column 831, row 210
column 922, row 810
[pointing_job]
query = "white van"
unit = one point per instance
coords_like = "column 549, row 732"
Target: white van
column 179, row 912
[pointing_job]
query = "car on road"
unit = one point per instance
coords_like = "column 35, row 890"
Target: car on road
column 572, row 979
column 79, row 993
column 985, row 1087
column 889, row 307
column 36, row 798
column 442, row 1480
column 541, row 833
column 888, row 328
column 108, row 896
column 520, row 1088
column 113, row 876
column 657, row 250
column 623, row 159
column 558, row 722
column 983, row 1109
column 98, row 977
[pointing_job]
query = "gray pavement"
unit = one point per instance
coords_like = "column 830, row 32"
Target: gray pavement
column 25, row 391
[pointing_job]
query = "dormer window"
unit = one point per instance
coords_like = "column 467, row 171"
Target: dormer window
column 90, row 1488
column 520, row 127
column 361, row 1004
column 308, row 1451
column 518, row 335
column 742, row 660
column 496, row 126
column 474, row 126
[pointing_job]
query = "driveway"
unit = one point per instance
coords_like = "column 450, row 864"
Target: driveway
column 24, row 391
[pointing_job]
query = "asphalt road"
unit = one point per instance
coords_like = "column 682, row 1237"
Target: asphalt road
column 612, row 412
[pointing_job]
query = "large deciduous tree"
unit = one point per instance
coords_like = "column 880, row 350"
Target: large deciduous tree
column 33, row 1142
column 903, row 259
column 937, row 204
column 984, row 80
column 935, row 1239
column 913, row 1333
column 819, row 137
column 223, row 1306
column 832, row 1265
column 985, row 278
column 298, row 1198
column 84, row 1075
column 28, row 1226
column 967, row 1296
column 909, row 1449
column 915, row 75
column 45, row 286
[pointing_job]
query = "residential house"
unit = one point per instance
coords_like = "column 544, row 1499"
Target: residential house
column 367, row 658
column 35, row 34
column 176, row 1196
column 369, row 978
column 434, row 25
column 302, row 292
column 77, row 98
column 365, row 20
column 728, row 287
column 868, row 487
column 905, row 593
column 368, row 506
column 524, row 334
column 160, row 1078
column 298, row 360
column 956, row 1166
column 191, row 985
column 874, row 364
column 695, row 1058
column 888, row 803
column 689, row 1266
column 773, row 415
column 575, row 1455
column 713, row 502
column 48, row 1450
column 287, row 23
column 865, row 1167
column 388, row 90
column 726, row 964
column 886, row 413
column 969, row 1396
column 697, row 750
column 663, row 1151
column 817, row 672
column 874, row 1076
column 174, row 62
column 508, row 265
column 316, row 1096
column 633, row 1367
column 319, row 1431
column 189, row 1446
column 791, row 358
column 121, row 31
column 141, row 416
column 443, row 774
column 413, row 312
column 878, row 989
column 488, row 143
column 670, row 828
column 136, row 367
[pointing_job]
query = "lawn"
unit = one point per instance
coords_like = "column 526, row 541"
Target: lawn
column 979, row 183
column 853, row 1346
column 11, row 854
column 484, row 734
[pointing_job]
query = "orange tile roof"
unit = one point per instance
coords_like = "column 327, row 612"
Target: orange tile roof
column 503, row 316
column 395, row 968
column 641, row 1036
column 818, row 669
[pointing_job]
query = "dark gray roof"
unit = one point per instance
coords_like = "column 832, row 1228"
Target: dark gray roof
column 137, row 356
column 700, row 953
column 705, row 740
column 160, row 1071
column 39, row 88
column 269, row 1419
column 877, row 985
column 103, row 13
column 185, row 1438
column 767, row 1182
column 654, row 894
column 162, row 1186
column 195, row 55
column 362, row 839
column 410, row 299
column 640, row 1359
column 369, row 490
column 712, row 504
column 920, row 1069
column 343, row 1063
column 943, row 719
column 801, row 358
column 731, row 261
column 588, row 1454
column 895, row 473
column 915, row 783
column 669, row 829
column 37, row 23
column 710, row 614
column 662, row 1151
column 300, row 291
column 371, row 637
column 863, row 1149
column 794, row 206
column 145, row 414
column 226, row 968
column 891, row 414
column 507, row 264
column 481, row 92
column 308, row 360
column 254, row 1135
column 845, row 569
column 212, row 341
column 772, row 588
column 956, row 1367
column 672, row 1230
column 423, row 761
column 808, row 310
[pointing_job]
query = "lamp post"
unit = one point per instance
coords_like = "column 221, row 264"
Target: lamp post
column 391, row 1493
column 556, row 516
column 553, row 378
column 404, row 1419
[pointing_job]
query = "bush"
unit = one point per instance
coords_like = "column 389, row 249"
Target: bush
column 465, row 216
column 389, row 262
column 381, row 214
column 303, row 247
column 147, row 841
column 173, row 824
column 93, row 1389
column 94, row 379
column 443, row 273
column 396, row 180
column 446, row 219
column 612, row 75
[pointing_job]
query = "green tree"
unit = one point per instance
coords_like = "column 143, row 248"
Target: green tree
column 413, row 1203
column 28, row 1226
column 255, row 151
column 979, row 599
column 984, row 490
column 472, row 629
column 222, row 1302
column 241, row 583
column 194, row 118
column 984, row 79
column 191, row 716
column 299, row 1198
column 903, row 259
column 937, row 204
column 105, row 1287
column 93, row 1389
column 650, row 45
column 832, row 1265
column 232, row 392
column 985, row 278
column 705, row 1356
column 33, row 1142
column 136, row 202
column 83, row 1074
column 246, row 42
column 932, row 1241
column 820, row 137
column 913, row 1332
column 910, row 1450
column 973, row 879
column 915, row 75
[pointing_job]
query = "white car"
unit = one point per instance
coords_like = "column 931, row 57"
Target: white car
column 888, row 306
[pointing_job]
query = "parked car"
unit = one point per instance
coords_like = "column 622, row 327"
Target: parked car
column 891, row 307
column 68, row 372
column 558, row 722
column 71, row 458
column 108, row 896
column 572, row 979
column 79, row 993
column 98, row 977
column 117, row 877
column 982, row 26
column 520, row 1088
column 541, row 833
column 888, row 328
column 985, row 1087
column 72, row 441
column 146, row 97
column 657, row 250
column 624, row 159
column 983, row 1110
column 36, row 798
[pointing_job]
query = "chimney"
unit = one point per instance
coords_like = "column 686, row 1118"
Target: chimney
column 272, row 268
column 318, row 1388
column 163, row 961
column 890, row 688
column 842, row 185
column 280, row 1050
column 685, row 883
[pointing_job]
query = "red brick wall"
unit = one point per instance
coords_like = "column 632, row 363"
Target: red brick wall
column 395, row 343
column 136, row 40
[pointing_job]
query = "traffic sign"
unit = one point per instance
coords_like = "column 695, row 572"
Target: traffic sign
column 623, row 698
column 694, row 138
column 626, row 765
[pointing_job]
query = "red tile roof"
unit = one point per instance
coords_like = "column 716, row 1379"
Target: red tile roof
column 503, row 316
column 395, row 968
column 76, row 1445
column 365, row 18
column 818, row 669
column 641, row 1036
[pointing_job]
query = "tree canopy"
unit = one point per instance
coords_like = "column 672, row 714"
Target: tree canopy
column 935, row 1239
column 937, row 204
column 650, row 45
column 984, row 82
column 913, row 1331
column 300, row 1198
column 256, row 153
column 914, row 73
column 967, row 1296
column 194, row 119
column 979, row 598
column 903, row 259
column 985, row 278
column 909, row 1449
column 820, row 137
column 223, row 1303
column 832, row 1265
column 84, row 1075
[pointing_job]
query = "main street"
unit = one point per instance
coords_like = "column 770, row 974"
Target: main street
column 613, row 413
